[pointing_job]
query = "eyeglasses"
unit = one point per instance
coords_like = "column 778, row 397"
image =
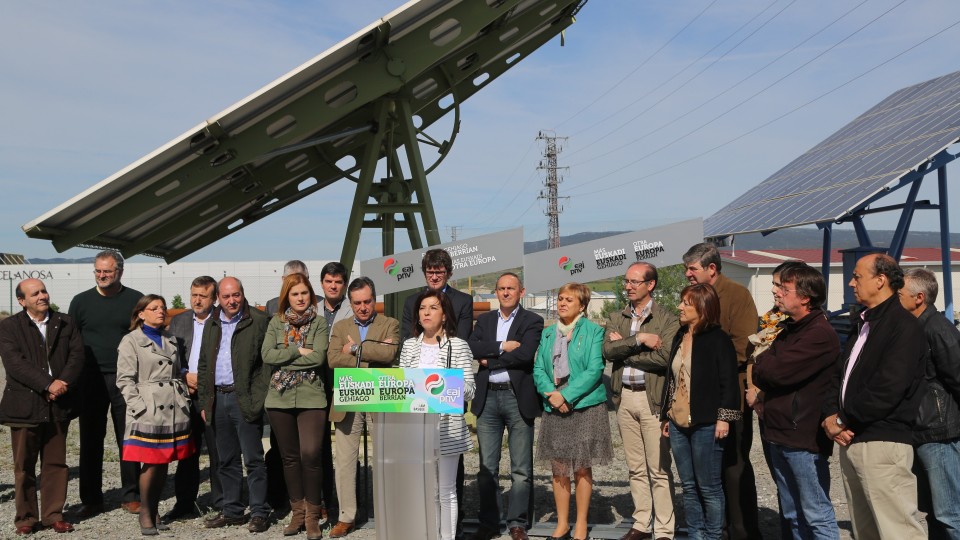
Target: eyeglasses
column 635, row 282
column 436, row 272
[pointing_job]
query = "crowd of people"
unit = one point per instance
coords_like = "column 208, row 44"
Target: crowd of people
column 684, row 389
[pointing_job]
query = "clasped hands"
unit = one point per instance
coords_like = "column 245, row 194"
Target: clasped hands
column 841, row 435
column 56, row 389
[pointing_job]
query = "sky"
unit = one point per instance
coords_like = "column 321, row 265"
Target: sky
column 669, row 109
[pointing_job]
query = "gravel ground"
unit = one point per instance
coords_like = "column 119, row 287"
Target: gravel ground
column 610, row 503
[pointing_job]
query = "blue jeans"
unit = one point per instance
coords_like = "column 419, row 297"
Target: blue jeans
column 941, row 465
column 803, row 483
column 699, row 458
column 236, row 436
column 501, row 411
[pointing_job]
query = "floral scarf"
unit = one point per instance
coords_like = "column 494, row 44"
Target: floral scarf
column 295, row 328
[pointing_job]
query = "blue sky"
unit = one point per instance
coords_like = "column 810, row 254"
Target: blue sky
column 89, row 88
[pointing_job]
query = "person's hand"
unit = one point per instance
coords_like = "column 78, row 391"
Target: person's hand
column 555, row 399
column 508, row 346
column 844, row 438
column 482, row 362
column 304, row 352
column 753, row 396
column 348, row 345
column 650, row 340
column 665, row 429
column 191, row 379
column 831, row 427
column 51, row 397
column 565, row 408
column 614, row 336
column 721, row 430
column 388, row 340
column 57, row 387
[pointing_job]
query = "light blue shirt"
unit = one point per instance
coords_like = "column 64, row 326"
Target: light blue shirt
column 503, row 330
column 224, row 374
column 364, row 327
column 194, row 357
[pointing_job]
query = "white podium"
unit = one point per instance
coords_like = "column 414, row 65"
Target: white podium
column 405, row 476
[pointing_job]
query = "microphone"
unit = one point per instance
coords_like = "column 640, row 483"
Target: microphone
column 360, row 348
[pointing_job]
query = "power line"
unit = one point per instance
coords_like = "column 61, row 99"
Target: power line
column 744, row 101
column 634, row 70
column 659, row 128
column 782, row 116
column 691, row 79
column 672, row 77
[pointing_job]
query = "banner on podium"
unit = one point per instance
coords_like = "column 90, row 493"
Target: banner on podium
column 402, row 390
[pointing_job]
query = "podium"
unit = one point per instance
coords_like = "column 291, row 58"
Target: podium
column 405, row 476
column 406, row 433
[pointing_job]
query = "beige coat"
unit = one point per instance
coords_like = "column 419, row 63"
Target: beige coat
column 382, row 328
column 149, row 379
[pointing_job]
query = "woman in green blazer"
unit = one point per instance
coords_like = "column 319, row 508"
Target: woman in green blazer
column 575, row 432
column 295, row 346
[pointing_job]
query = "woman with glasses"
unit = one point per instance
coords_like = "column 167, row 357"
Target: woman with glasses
column 158, row 428
column 575, row 432
column 701, row 399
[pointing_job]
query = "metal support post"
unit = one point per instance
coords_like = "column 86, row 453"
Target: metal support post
column 945, row 252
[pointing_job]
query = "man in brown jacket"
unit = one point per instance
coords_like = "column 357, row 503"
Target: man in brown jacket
column 739, row 319
column 354, row 340
column 637, row 342
column 42, row 355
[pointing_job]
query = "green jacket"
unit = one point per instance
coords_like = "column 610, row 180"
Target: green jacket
column 585, row 386
column 249, row 376
column 625, row 352
column 280, row 357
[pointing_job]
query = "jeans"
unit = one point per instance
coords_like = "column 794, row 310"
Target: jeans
column 236, row 436
column 699, row 457
column 501, row 411
column 940, row 462
column 803, row 483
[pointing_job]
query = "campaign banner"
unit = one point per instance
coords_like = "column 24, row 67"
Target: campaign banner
column 471, row 257
column 402, row 390
column 608, row 257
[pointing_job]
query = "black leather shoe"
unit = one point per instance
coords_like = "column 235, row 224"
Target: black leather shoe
column 221, row 520
column 258, row 524
column 565, row 536
column 179, row 513
column 485, row 533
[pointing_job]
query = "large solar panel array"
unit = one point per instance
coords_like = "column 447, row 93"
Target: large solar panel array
column 848, row 170
column 296, row 135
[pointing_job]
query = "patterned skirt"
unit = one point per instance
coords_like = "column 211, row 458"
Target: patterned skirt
column 159, row 444
column 577, row 440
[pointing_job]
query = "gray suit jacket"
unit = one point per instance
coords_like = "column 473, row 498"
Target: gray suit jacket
column 181, row 326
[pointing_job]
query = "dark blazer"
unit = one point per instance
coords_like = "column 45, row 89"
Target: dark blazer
column 714, row 390
column 181, row 327
column 28, row 364
column 462, row 306
column 526, row 328
column 886, row 383
column 250, row 376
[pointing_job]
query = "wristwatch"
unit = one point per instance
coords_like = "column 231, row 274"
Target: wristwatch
column 353, row 348
column 839, row 421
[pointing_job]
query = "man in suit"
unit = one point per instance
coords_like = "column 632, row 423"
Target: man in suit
column 42, row 356
column 637, row 343
column 292, row 267
column 231, row 388
column 187, row 327
column 505, row 342
column 437, row 268
column 346, row 348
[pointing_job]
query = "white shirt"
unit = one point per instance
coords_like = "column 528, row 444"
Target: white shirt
column 500, row 376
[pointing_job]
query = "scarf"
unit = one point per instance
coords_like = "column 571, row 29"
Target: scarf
column 296, row 326
column 561, row 362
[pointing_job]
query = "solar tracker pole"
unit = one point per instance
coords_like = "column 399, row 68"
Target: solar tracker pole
column 906, row 217
column 945, row 252
column 825, row 262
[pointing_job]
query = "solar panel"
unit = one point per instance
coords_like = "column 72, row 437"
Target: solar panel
column 285, row 141
column 851, row 168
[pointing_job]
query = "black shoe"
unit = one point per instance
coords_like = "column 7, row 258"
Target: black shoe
column 179, row 513
column 485, row 533
column 258, row 524
column 221, row 520
column 565, row 536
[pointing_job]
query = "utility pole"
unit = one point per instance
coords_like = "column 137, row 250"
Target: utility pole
column 551, row 194
column 454, row 229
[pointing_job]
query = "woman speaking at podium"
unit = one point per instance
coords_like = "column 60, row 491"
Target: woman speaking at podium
column 434, row 345
column 575, row 432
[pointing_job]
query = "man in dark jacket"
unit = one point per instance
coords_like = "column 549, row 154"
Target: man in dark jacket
column 871, row 405
column 231, row 388
column 504, row 343
column 938, row 425
column 793, row 375
column 42, row 355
